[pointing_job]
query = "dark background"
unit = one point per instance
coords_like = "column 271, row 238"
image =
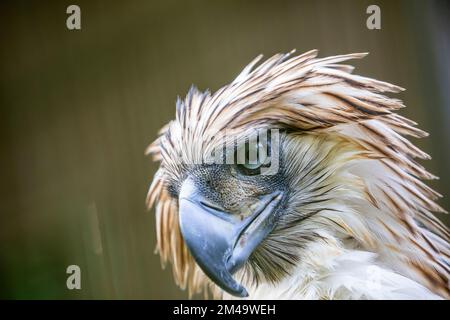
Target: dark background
column 78, row 108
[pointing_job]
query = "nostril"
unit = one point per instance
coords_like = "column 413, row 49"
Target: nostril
column 208, row 181
column 211, row 205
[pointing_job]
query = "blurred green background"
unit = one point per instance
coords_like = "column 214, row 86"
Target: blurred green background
column 78, row 108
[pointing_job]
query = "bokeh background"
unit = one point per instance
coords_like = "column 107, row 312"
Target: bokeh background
column 78, row 108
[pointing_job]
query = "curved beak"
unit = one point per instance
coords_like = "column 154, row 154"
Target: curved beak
column 221, row 243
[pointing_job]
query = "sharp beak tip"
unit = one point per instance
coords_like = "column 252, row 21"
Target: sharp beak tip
column 244, row 293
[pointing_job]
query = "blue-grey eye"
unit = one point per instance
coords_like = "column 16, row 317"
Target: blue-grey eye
column 252, row 166
column 251, row 157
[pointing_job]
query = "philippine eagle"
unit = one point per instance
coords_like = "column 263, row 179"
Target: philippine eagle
column 346, row 215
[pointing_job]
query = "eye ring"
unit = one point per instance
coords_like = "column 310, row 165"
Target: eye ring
column 253, row 167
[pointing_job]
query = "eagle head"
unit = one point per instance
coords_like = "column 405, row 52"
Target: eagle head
column 294, row 163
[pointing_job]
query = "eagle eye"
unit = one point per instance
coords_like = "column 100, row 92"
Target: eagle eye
column 252, row 156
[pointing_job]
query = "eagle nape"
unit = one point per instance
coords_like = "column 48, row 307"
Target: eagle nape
column 220, row 242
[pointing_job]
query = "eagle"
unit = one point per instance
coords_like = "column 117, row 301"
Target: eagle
column 333, row 205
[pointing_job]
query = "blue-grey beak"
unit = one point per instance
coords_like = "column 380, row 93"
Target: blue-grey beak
column 220, row 242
